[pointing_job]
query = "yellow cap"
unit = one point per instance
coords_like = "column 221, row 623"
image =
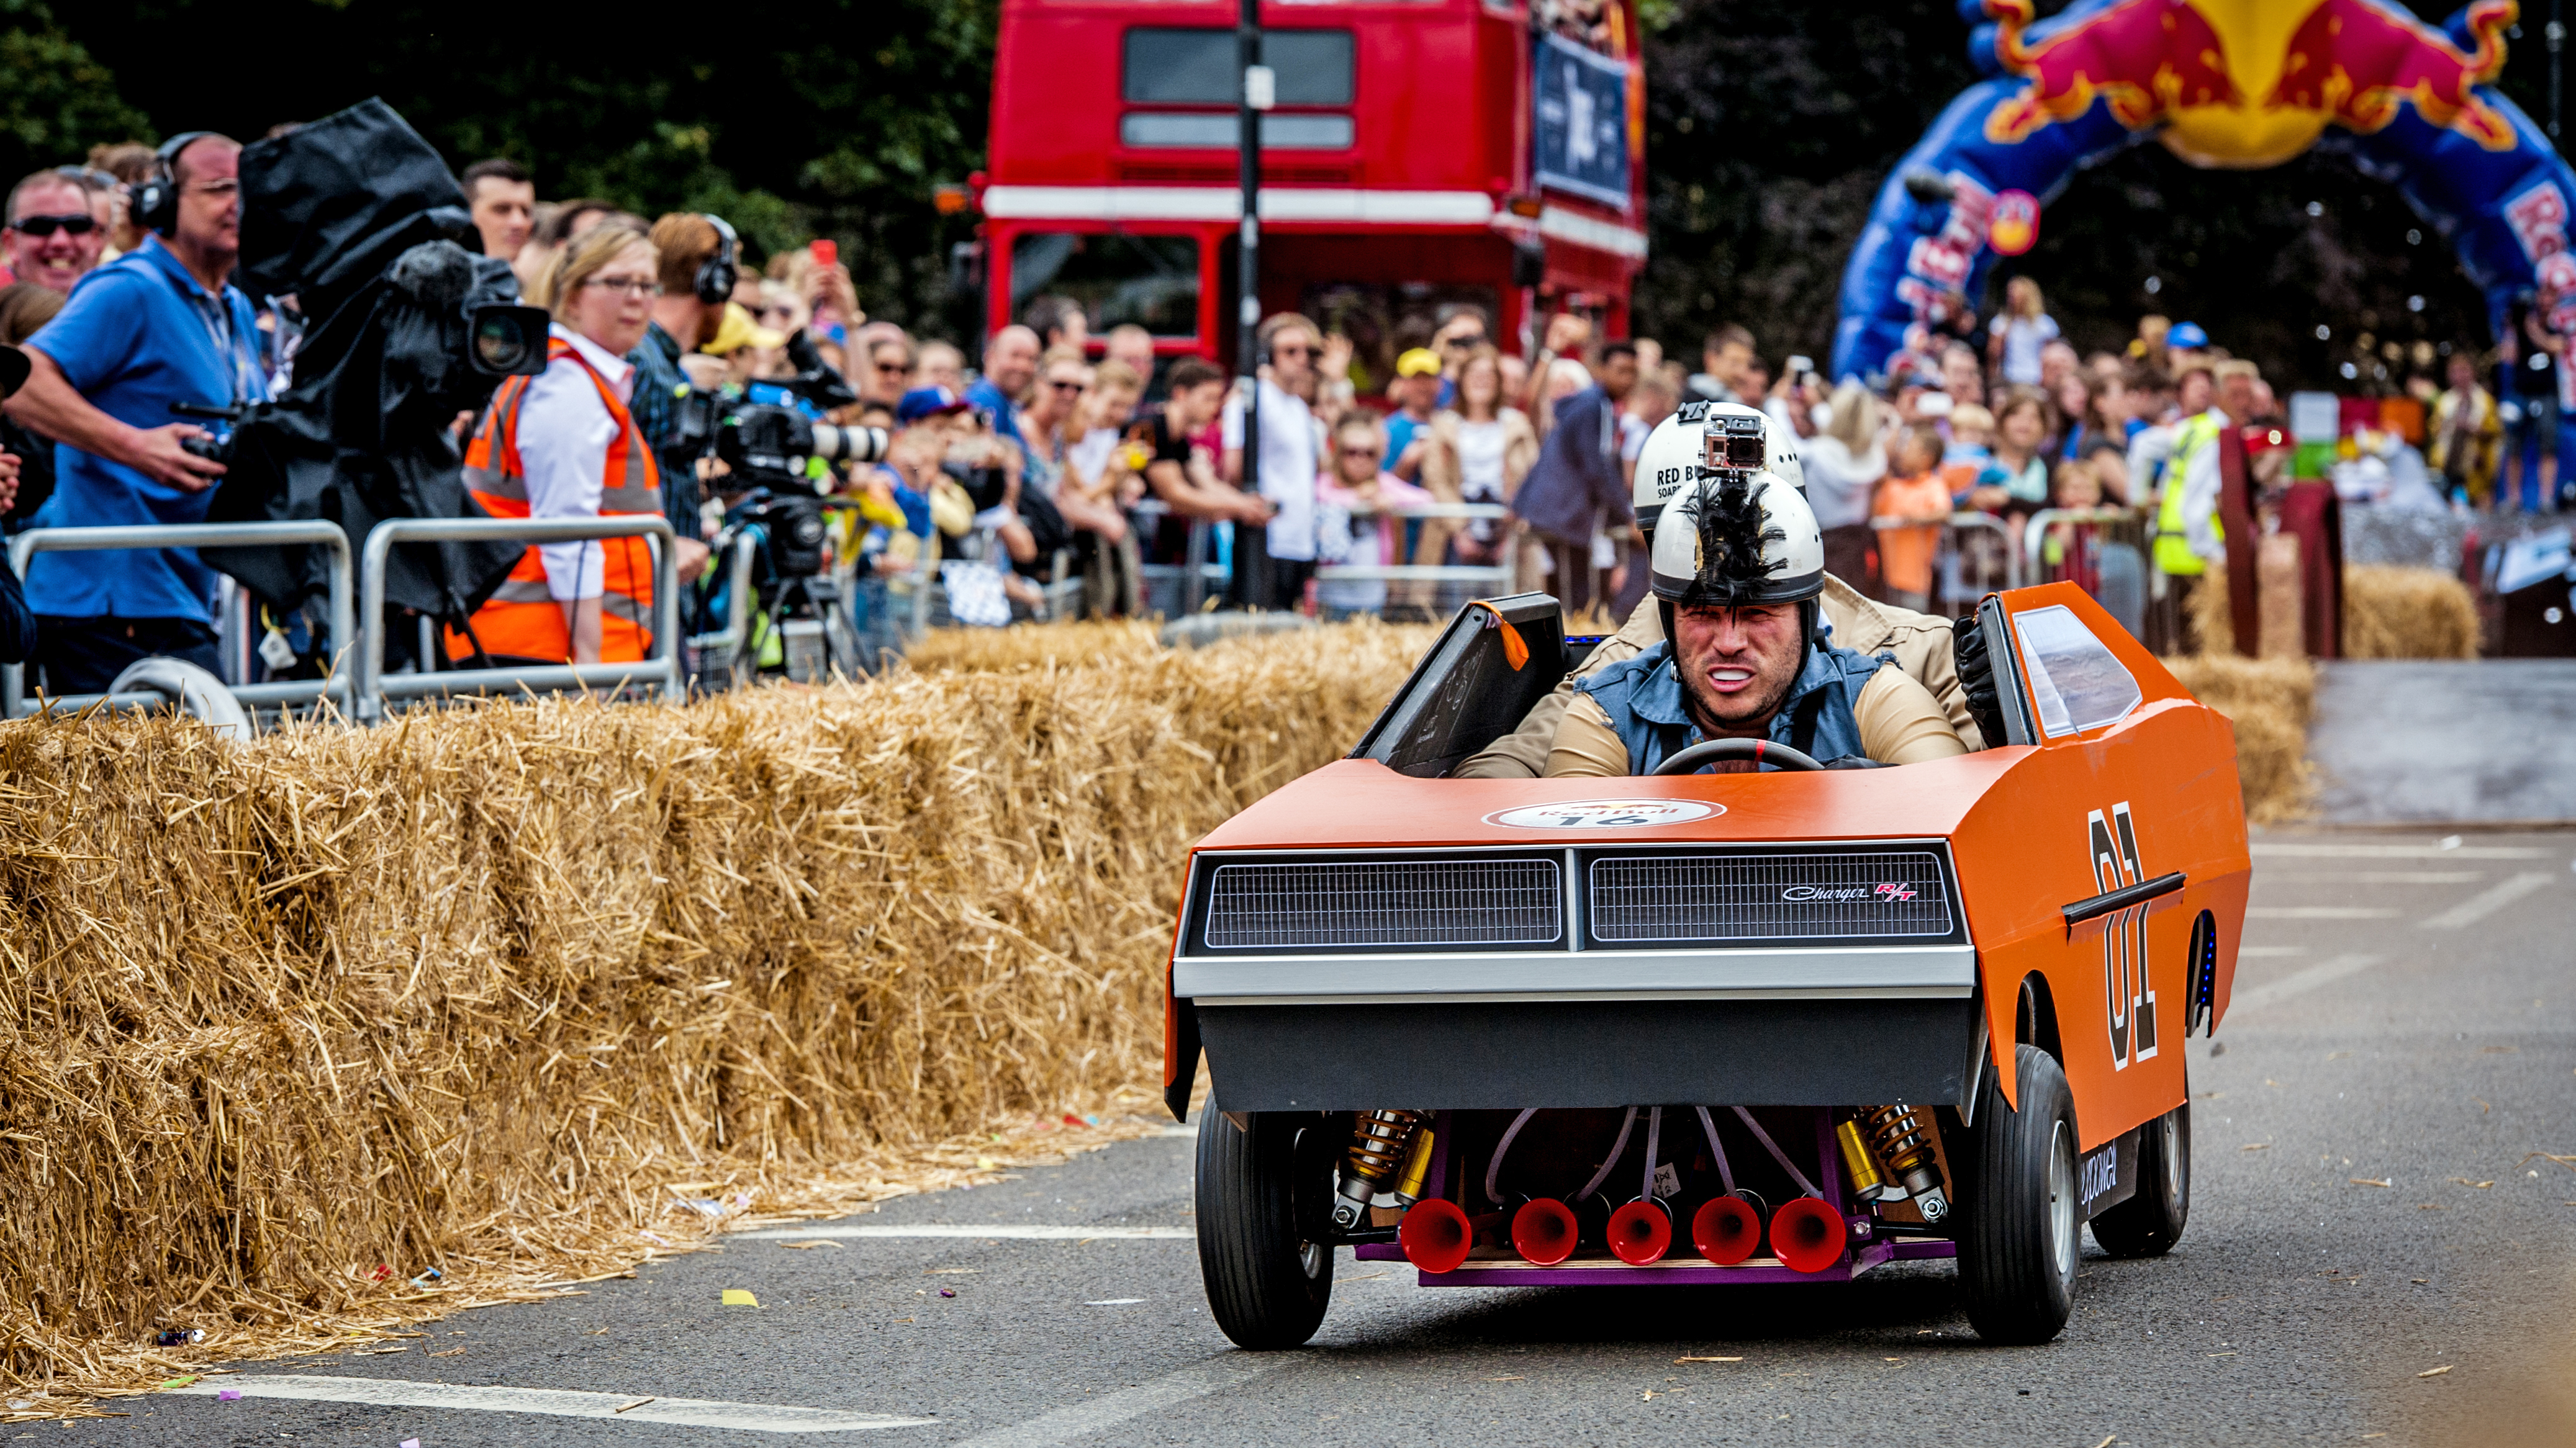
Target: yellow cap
column 1418, row 362
column 739, row 330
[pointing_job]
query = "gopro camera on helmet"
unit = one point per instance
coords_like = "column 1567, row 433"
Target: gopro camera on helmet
column 1731, row 442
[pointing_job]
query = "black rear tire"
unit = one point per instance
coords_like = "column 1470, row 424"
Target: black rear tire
column 2019, row 1244
column 1269, row 1276
column 2149, row 1223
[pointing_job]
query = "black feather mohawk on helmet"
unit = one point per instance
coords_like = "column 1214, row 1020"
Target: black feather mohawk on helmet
column 1732, row 535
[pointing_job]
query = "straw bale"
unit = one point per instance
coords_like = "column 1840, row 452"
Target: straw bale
column 2407, row 613
column 284, row 1024
column 2269, row 702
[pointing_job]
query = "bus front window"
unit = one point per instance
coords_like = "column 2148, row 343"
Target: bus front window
column 1152, row 281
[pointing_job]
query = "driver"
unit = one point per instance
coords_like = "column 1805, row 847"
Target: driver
column 1921, row 642
column 1738, row 566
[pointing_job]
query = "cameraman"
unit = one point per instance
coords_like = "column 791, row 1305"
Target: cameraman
column 682, row 323
column 564, row 444
column 156, row 326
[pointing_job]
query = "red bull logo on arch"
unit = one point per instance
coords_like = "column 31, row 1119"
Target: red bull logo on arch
column 2249, row 82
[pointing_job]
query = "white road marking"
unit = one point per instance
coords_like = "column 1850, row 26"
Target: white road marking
column 2374, row 877
column 999, row 1232
column 2324, row 972
column 1196, row 1381
column 2488, row 901
column 552, row 1402
column 2286, row 850
column 2318, row 912
column 1191, row 1132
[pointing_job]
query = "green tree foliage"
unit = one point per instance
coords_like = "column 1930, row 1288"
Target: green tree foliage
column 56, row 99
column 831, row 118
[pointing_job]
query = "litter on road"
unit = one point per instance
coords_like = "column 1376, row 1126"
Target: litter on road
column 739, row 1297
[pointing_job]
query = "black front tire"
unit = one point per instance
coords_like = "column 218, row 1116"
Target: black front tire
column 2149, row 1223
column 1269, row 1277
column 2019, row 1243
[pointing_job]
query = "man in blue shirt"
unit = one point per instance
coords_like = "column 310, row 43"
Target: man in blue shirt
column 1010, row 365
column 156, row 326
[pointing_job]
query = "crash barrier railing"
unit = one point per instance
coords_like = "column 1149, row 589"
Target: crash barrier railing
column 660, row 670
column 345, row 636
column 1177, row 590
column 718, row 657
column 2104, row 551
column 1976, row 554
column 1429, row 589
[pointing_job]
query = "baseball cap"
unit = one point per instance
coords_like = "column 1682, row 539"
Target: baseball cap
column 1418, row 362
column 933, row 401
column 2187, row 335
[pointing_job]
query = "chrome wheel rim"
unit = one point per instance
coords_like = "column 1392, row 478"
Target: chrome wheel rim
column 2061, row 1202
column 1316, row 1258
column 2175, row 1167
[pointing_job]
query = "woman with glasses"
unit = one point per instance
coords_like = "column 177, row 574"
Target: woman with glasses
column 563, row 444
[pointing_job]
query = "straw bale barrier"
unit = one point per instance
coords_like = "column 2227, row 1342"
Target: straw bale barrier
column 285, row 1024
column 2407, row 613
column 2269, row 702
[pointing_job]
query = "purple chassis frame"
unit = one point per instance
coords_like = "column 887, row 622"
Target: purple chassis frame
column 1872, row 1250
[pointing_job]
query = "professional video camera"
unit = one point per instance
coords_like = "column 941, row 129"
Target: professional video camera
column 358, row 220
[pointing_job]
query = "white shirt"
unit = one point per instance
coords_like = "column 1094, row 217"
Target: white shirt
column 1289, row 464
column 2024, row 339
column 564, row 433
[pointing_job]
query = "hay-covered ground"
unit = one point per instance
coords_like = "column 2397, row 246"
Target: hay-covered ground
column 526, row 992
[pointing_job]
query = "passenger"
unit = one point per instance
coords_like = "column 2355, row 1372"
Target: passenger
column 1738, row 568
column 1921, row 643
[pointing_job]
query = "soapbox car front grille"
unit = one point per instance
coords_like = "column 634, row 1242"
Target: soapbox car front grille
column 1669, row 898
column 1337, row 903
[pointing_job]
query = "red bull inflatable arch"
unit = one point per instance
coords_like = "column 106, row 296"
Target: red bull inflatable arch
column 2232, row 83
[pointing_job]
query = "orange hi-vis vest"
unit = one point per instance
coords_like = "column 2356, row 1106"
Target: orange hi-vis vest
column 522, row 618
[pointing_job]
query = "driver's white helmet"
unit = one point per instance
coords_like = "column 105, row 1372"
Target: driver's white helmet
column 1736, row 539
column 1677, row 453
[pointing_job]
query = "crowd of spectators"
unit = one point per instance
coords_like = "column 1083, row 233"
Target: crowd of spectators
column 1055, row 454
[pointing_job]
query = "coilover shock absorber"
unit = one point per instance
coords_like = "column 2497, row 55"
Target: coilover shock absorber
column 1902, row 1137
column 1379, row 1140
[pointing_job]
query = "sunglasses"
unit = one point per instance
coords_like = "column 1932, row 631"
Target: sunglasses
column 1465, row 343
column 78, row 224
column 1292, row 351
column 1359, row 452
column 1062, row 386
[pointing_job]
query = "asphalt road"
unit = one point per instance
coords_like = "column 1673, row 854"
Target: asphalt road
column 2403, row 1016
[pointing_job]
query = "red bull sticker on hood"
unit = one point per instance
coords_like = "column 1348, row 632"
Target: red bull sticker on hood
column 1606, row 814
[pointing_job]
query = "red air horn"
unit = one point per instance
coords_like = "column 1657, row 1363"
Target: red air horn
column 1435, row 1235
column 1726, row 1229
column 1641, row 1232
column 1807, row 1235
column 1543, row 1231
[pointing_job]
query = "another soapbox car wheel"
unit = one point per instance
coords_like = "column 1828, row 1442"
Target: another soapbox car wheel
column 1263, row 1205
column 2019, row 1242
column 2148, row 1224
column 1760, row 751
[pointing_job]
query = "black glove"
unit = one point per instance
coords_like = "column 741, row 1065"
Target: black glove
column 1977, row 679
column 1854, row 761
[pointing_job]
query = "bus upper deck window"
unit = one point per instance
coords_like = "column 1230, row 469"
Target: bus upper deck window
column 1172, row 66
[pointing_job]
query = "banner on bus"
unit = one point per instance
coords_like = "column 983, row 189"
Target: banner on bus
column 1582, row 113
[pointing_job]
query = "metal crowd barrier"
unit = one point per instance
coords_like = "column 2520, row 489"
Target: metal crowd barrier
column 375, row 688
column 720, row 655
column 1977, row 554
column 1433, row 590
column 286, row 693
column 1177, row 590
column 2101, row 550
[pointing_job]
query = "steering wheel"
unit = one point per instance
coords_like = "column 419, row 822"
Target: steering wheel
column 1760, row 751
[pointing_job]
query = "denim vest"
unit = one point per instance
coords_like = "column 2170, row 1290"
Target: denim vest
column 1643, row 697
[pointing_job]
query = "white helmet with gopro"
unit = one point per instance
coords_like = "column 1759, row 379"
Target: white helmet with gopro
column 1737, row 539
column 1707, row 437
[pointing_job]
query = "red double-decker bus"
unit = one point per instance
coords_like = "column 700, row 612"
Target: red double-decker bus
column 1415, row 147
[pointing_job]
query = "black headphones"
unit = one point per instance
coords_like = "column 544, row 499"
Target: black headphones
column 156, row 199
column 717, row 274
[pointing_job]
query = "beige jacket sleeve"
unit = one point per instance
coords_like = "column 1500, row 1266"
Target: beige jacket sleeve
column 1900, row 721
column 1586, row 746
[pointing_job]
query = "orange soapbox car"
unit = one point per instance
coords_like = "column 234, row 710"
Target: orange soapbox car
column 1751, row 1027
